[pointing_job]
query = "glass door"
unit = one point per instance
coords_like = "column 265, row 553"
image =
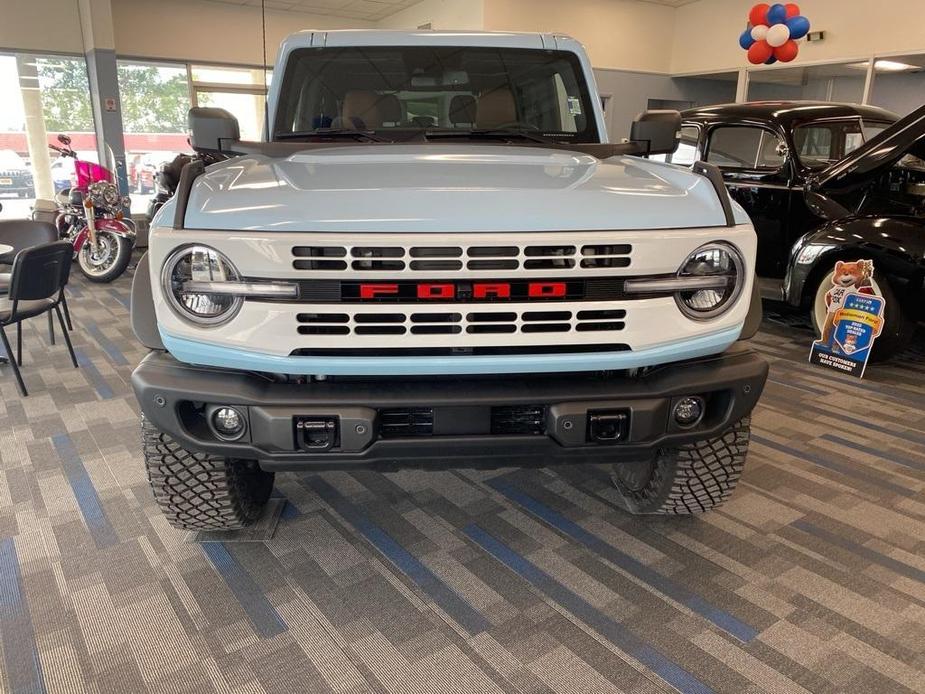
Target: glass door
column 240, row 91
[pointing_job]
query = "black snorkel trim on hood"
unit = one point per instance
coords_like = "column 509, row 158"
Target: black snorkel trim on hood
column 906, row 136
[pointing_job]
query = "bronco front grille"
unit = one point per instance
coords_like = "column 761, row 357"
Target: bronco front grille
column 463, row 259
column 468, row 320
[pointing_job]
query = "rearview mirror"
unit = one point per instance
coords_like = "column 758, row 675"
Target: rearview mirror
column 64, row 139
column 658, row 132
column 212, row 129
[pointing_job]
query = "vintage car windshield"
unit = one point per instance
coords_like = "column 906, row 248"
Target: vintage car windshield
column 412, row 92
column 819, row 145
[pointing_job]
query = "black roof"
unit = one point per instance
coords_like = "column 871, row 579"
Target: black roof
column 787, row 113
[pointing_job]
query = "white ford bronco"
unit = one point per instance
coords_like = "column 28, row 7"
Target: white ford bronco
column 435, row 258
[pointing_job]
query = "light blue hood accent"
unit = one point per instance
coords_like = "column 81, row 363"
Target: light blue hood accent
column 203, row 354
column 445, row 188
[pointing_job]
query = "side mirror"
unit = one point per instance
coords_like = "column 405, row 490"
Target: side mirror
column 212, row 129
column 657, row 132
column 64, row 140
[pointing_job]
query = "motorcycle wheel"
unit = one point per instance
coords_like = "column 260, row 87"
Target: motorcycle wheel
column 108, row 261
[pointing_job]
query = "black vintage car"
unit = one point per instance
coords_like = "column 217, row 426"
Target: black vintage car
column 824, row 182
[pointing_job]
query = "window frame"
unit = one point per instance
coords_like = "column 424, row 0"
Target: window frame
column 764, row 129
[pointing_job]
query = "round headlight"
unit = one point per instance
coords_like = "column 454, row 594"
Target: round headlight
column 718, row 261
column 186, row 276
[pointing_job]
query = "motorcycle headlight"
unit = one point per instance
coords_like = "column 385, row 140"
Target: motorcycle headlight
column 187, row 277
column 720, row 262
column 105, row 195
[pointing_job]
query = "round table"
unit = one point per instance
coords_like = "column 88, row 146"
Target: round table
column 4, row 249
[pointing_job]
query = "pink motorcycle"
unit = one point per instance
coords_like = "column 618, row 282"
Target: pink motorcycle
column 90, row 216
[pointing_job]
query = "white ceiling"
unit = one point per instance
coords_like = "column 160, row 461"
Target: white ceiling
column 371, row 10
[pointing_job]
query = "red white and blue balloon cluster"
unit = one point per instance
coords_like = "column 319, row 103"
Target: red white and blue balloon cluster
column 773, row 32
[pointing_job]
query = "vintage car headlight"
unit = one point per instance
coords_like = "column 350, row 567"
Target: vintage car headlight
column 720, row 270
column 189, row 275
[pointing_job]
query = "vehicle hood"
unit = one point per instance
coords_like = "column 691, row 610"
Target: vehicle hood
column 906, row 136
column 449, row 188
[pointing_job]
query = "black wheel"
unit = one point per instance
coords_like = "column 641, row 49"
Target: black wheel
column 108, row 260
column 693, row 478
column 898, row 327
column 198, row 491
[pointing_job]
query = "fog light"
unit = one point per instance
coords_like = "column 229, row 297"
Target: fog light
column 688, row 411
column 228, row 423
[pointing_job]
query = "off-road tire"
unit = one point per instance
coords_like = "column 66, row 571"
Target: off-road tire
column 199, row 491
column 689, row 479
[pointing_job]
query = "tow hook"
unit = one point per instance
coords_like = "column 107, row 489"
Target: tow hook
column 608, row 426
column 316, row 433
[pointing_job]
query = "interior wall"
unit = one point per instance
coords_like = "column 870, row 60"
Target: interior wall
column 630, row 93
column 842, row 88
column 440, row 14
column 621, row 34
column 902, row 93
column 40, row 25
column 210, row 31
column 706, row 32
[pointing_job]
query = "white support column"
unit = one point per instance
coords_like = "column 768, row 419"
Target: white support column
column 742, row 86
column 36, row 135
column 869, row 80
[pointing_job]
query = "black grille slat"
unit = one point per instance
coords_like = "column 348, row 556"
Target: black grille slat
column 490, row 328
column 374, row 265
column 323, row 318
column 492, row 264
column 377, row 252
column 518, row 420
column 436, row 317
column 324, row 330
column 492, row 251
column 549, row 264
column 436, row 265
column 411, row 421
column 436, row 329
column 436, row 252
column 379, row 317
column 380, row 330
column 549, row 250
column 319, row 251
column 604, row 261
column 604, row 314
column 491, row 317
column 599, row 327
column 546, row 315
column 546, row 328
column 319, row 265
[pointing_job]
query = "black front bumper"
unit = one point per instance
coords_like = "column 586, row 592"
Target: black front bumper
column 531, row 419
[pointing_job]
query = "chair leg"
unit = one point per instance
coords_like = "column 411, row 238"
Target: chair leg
column 67, row 314
column 67, row 338
column 12, row 362
column 51, row 329
column 19, row 342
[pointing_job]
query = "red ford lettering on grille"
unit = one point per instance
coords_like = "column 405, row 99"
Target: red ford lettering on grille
column 492, row 290
column 545, row 290
column 436, row 291
column 374, row 291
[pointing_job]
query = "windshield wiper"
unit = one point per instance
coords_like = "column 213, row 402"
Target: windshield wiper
column 367, row 135
column 488, row 133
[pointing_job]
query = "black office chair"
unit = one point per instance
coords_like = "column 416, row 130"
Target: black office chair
column 37, row 286
column 22, row 234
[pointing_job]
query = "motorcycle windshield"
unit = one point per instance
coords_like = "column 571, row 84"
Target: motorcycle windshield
column 89, row 172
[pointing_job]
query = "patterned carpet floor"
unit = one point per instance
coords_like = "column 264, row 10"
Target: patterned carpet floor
column 812, row 579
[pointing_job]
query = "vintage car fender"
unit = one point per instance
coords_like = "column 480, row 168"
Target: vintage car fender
column 896, row 245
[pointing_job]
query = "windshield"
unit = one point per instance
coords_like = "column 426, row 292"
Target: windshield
column 400, row 92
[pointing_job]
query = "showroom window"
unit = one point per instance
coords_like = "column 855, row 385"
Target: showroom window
column 745, row 148
column 42, row 96
column 155, row 100
column 240, row 91
column 836, row 82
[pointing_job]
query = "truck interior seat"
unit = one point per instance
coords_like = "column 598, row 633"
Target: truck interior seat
column 361, row 110
column 495, row 108
column 390, row 110
column 462, row 111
